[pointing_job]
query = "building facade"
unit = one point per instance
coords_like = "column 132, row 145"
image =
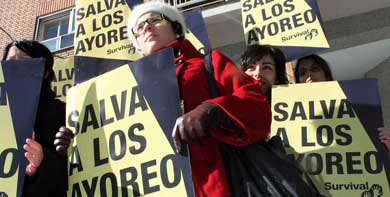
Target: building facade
column 30, row 19
column 358, row 32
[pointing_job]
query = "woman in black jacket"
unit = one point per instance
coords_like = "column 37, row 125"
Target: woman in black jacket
column 46, row 173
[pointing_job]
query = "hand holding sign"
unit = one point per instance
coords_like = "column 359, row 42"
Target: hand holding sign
column 62, row 140
column 34, row 155
column 192, row 126
column 345, row 138
column 384, row 136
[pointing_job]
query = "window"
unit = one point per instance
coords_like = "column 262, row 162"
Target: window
column 56, row 31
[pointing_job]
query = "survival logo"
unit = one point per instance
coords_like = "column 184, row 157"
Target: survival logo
column 20, row 84
column 292, row 25
column 331, row 129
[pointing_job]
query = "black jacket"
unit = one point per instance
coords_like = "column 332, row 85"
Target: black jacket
column 51, row 177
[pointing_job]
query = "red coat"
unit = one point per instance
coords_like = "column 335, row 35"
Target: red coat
column 243, row 102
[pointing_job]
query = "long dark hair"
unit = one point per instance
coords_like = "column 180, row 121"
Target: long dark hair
column 318, row 60
column 34, row 49
column 254, row 53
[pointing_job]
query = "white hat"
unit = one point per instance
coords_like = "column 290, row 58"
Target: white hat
column 152, row 6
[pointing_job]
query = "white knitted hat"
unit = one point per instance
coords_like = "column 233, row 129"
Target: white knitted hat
column 152, row 6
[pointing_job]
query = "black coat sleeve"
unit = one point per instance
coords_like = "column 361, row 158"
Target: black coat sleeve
column 50, row 178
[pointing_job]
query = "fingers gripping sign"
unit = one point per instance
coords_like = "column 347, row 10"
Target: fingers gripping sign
column 192, row 127
column 180, row 146
column 34, row 155
column 384, row 136
column 62, row 140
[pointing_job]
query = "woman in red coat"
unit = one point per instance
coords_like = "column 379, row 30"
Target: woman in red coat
column 240, row 116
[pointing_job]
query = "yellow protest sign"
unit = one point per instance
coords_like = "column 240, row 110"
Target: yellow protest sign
column 119, row 148
column 101, row 30
column 282, row 23
column 8, row 146
column 64, row 76
column 1, row 74
column 195, row 41
column 196, row 31
column 332, row 133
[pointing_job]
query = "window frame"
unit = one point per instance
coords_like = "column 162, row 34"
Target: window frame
column 56, row 17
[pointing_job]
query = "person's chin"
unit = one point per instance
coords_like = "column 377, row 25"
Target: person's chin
column 156, row 48
column 153, row 47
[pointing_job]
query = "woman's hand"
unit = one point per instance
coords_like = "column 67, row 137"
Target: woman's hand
column 384, row 136
column 34, row 155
